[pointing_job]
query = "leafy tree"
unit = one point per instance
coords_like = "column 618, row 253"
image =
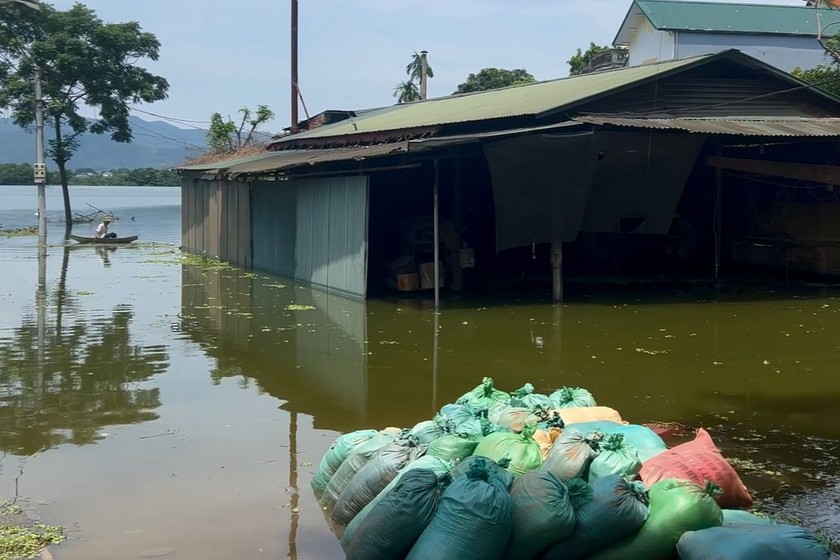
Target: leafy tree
column 226, row 136
column 414, row 69
column 581, row 59
column 405, row 92
column 824, row 76
column 494, row 78
column 83, row 62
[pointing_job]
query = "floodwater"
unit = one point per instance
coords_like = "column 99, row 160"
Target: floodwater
column 157, row 409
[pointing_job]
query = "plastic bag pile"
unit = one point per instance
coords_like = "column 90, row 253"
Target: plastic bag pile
column 522, row 475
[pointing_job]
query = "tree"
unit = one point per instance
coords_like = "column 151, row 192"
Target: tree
column 225, row 136
column 414, row 69
column 580, row 60
column 84, row 63
column 494, row 78
column 405, row 92
column 824, row 76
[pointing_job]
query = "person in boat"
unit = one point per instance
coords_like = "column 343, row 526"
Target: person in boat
column 102, row 230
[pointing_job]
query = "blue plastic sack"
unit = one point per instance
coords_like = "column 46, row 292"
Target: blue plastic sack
column 473, row 520
column 616, row 510
column 646, row 441
column 751, row 542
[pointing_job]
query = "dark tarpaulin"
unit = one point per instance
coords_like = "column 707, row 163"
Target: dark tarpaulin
column 540, row 187
column 638, row 180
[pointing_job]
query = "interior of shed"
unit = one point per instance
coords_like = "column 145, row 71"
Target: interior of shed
column 725, row 223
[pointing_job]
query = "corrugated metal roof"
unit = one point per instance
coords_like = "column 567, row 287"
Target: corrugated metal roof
column 295, row 158
column 277, row 160
column 530, row 99
column 224, row 164
column 443, row 141
column 717, row 17
column 740, row 126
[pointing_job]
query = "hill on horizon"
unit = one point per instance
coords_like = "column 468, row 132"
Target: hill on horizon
column 156, row 144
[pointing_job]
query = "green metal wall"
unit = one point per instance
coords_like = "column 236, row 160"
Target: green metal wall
column 314, row 231
column 273, row 205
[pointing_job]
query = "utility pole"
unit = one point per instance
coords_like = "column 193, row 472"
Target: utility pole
column 40, row 170
column 294, row 34
column 424, row 74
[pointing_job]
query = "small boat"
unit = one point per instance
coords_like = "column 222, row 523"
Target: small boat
column 103, row 240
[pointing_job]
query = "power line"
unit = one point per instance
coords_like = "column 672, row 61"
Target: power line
column 174, row 119
column 169, row 137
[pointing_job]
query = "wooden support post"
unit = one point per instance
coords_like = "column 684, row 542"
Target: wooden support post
column 436, row 220
column 557, row 271
column 718, row 221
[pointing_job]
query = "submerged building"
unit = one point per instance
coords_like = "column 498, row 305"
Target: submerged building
column 701, row 164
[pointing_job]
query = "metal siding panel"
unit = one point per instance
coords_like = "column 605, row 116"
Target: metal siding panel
column 213, row 222
column 274, row 227
column 200, row 216
column 332, row 234
column 245, row 226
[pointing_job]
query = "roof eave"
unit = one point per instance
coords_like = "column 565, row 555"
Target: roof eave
column 618, row 41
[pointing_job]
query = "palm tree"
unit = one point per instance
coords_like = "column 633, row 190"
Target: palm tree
column 414, row 69
column 406, row 92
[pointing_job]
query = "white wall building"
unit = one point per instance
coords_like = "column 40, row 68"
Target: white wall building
column 784, row 36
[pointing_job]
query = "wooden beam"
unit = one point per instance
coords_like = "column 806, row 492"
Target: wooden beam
column 827, row 174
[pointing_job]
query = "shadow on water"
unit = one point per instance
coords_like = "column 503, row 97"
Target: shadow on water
column 64, row 377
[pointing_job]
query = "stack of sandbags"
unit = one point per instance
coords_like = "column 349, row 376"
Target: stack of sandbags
column 555, row 477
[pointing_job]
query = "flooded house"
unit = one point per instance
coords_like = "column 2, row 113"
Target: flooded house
column 695, row 167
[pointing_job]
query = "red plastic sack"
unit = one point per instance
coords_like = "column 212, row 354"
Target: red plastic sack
column 698, row 461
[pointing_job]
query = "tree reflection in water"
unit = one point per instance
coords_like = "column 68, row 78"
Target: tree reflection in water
column 87, row 381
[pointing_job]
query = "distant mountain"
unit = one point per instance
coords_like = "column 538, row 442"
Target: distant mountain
column 155, row 144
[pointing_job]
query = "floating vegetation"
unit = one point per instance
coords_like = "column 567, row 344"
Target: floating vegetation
column 204, row 261
column 22, row 538
column 19, row 232
column 296, row 307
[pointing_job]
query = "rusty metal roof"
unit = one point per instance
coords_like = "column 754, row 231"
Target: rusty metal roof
column 278, row 161
column 739, row 126
column 215, row 166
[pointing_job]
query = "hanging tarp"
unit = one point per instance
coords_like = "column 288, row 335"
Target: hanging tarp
column 540, row 186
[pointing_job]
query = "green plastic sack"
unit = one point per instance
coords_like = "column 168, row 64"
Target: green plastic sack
column 571, row 454
column 427, row 431
column 618, row 508
column 676, row 506
column 348, row 469
column 373, row 477
column 543, row 512
column 647, row 443
column 749, row 542
column 741, row 517
column 526, row 397
column 616, row 457
column 434, row 464
column 484, row 395
column 521, row 449
column 461, row 420
column 453, row 448
column 571, row 397
column 396, row 522
column 336, row 455
column 498, row 471
column 473, row 520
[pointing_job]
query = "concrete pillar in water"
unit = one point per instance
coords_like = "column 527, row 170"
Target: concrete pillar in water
column 557, row 271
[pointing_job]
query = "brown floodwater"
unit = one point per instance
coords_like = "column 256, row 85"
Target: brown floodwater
column 161, row 409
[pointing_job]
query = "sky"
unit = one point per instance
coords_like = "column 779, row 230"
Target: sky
column 220, row 55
